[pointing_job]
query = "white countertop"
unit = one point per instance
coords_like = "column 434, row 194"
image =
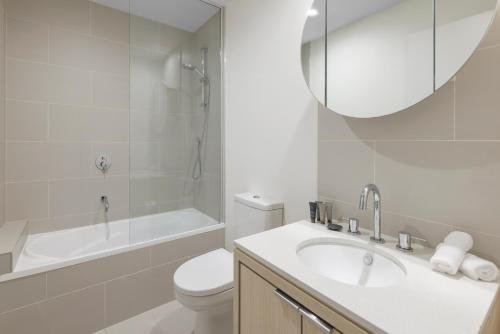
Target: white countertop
column 424, row 302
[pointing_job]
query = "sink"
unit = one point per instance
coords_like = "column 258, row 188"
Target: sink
column 351, row 262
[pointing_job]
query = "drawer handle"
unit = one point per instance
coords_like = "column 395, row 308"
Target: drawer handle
column 287, row 299
column 320, row 323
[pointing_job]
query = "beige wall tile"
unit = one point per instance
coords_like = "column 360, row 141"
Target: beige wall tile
column 69, row 160
column 453, row 183
column 77, row 50
column 153, row 36
column 26, row 200
column 80, row 196
column 431, row 119
column 5, row 262
column 110, row 91
column 47, row 83
column 477, row 114
column 344, row 168
column 486, row 246
column 27, row 40
column 70, row 123
column 137, row 293
column 70, row 14
column 27, row 161
column 20, row 292
column 26, row 121
column 81, row 312
column 158, row 126
column 82, row 275
column 184, row 247
column 155, row 190
column 109, row 23
column 28, row 320
column 109, row 126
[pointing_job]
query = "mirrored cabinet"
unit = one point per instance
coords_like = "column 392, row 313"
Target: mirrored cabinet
column 370, row 58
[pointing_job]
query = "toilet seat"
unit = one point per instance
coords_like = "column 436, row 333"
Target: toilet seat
column 205, row 275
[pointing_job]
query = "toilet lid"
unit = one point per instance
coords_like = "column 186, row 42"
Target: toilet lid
column 205, row 275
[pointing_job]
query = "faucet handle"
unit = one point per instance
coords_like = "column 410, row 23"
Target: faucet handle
column 404, row 242
column 353, row 226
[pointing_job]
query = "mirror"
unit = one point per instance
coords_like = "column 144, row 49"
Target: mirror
column 371, row 58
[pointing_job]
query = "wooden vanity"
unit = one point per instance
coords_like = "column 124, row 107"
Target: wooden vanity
column 266, row 303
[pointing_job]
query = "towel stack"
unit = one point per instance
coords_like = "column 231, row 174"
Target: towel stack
column 452, row 256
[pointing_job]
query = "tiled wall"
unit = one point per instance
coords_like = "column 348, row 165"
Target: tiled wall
column 436, row 164
column 67, row 101
column 85, row 298
column 73, row 70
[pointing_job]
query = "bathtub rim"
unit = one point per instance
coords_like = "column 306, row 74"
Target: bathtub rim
column 116, row 251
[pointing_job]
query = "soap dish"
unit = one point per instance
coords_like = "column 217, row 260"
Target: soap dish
column 335, row 227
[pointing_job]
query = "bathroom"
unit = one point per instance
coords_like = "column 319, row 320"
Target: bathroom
column 161, row 161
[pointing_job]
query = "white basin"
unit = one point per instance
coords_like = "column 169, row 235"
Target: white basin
column 351, row 262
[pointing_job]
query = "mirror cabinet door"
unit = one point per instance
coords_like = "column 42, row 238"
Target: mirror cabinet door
column 314, row 50
column 371, row 58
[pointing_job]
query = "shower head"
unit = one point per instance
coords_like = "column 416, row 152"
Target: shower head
column 191, row 67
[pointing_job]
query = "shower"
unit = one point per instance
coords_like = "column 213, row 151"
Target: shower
column 205, row 105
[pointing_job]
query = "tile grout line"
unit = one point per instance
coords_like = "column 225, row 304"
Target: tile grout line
column 374, row 162
column 455, row 109
column 409, row 140
column 87, row 106
column 124, row 75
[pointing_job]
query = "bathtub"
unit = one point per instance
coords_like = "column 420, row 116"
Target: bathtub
column 53, row 250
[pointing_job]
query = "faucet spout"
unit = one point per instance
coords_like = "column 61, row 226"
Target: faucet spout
column 377, row 215
column 105, row 201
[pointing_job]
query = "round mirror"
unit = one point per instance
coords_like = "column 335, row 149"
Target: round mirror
column 370, row 58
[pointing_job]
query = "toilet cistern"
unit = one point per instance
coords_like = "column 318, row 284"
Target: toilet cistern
column 377, row 220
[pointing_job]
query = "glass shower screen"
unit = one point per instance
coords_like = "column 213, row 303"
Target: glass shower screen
column 175, row 117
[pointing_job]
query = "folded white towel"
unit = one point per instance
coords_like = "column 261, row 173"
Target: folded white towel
column 461, row 240
column 479, row 269
column 447, row 258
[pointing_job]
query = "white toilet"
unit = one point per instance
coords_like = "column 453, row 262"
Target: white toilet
column 205, row 284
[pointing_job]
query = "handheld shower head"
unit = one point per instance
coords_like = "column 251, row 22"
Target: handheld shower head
column 191, row 67
column 188, row 67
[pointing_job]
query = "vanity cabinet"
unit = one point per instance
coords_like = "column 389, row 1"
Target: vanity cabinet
column 265, row 303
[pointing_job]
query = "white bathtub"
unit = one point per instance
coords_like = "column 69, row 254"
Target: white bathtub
column 52, row 250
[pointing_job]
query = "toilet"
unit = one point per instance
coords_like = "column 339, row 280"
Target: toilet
column 204, row 284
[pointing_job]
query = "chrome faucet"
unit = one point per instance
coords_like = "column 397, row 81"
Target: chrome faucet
column 105, row 201
column 377, row 220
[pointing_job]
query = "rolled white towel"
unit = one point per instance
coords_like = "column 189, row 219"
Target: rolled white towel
column 479, row 269
column 447, row 258
column 461, row 240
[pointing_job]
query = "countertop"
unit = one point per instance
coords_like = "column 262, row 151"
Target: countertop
column 424, row 302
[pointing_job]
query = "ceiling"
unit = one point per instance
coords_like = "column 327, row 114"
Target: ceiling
column 187, row 15
column 341, row 13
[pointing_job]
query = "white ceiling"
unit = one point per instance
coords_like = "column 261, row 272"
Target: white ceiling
column 341, row 13
column 187, row 15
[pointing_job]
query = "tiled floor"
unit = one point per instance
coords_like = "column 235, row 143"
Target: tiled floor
column 171, row 318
